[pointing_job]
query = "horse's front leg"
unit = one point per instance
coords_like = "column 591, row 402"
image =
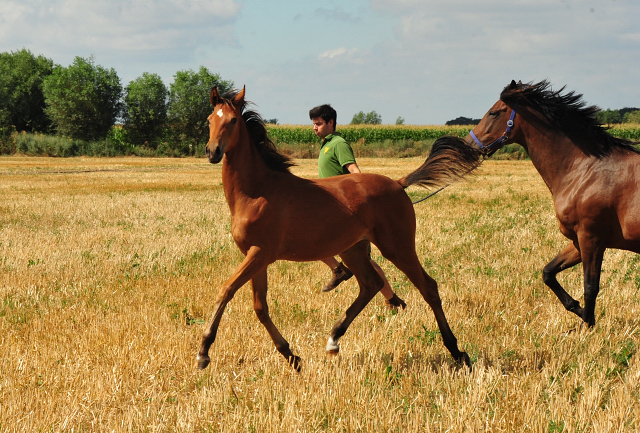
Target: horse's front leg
column 568, row 257
column 357, row 259
column 253, row 263
column 592, row 257
column 259, row 286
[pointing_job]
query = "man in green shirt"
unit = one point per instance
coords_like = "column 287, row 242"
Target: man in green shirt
column 336, row 158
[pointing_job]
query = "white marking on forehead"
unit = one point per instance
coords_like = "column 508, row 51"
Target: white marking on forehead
column 219, row 112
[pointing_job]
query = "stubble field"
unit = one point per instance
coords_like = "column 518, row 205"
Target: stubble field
column 109, row 268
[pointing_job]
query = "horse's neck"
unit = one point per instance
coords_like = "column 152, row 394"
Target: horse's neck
column 555, row 157
column 244, row 174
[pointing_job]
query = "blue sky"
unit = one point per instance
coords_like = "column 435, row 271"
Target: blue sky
column 426, row 61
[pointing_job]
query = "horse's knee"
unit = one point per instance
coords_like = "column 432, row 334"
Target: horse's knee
column 430, row 292
column 224, row 295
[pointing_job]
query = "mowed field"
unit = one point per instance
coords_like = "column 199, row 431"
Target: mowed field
column 109, row 269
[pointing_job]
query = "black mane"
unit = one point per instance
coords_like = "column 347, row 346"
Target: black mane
column 259, row 136
column 570, row 114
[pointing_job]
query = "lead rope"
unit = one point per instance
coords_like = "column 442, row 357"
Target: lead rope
column 430, row 195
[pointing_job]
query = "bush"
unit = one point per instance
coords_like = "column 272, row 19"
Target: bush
column 49, row 145
column 8, row 136
column 300, row 142
column 45, row 145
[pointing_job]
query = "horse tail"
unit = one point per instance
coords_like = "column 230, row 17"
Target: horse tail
column 450, row 160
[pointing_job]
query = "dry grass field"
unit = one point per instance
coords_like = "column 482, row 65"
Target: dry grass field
column 109, row 268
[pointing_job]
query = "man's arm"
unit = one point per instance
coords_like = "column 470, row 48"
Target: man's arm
column 353, row 168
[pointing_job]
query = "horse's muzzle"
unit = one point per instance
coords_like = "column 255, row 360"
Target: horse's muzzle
column 215, row 156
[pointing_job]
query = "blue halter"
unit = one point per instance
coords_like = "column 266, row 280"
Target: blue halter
column 492, row 147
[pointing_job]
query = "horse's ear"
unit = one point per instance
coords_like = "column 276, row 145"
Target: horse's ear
column 239, row 99
column 513, row 85
column 214, row 96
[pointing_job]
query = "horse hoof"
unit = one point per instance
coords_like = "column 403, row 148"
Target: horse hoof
column 395, row 302
column 203, row 362
column 296, row 363
column 333, row 353
column 464, row 359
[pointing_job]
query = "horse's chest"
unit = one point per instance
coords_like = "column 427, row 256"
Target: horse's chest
column 567, row 218
column 252, row 224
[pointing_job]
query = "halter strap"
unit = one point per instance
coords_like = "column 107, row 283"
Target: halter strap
column 489, row 150
column 492, row 147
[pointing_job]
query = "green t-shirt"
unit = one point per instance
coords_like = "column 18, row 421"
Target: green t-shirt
column 335, row 153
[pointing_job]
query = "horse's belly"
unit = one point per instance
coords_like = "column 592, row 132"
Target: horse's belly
column 317, row 245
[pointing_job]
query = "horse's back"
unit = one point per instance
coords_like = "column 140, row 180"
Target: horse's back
column 362, row 192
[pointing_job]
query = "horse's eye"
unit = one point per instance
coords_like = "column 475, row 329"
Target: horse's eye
column 493, row 113
column 233, row 121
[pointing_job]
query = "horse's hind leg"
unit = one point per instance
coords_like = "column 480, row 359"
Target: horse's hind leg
column 259, row 286
column 407, row 261
column 428, row 288
column 251, row 265
column 357, row 259
column 568, row 257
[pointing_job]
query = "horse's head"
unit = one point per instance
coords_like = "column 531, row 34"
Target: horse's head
column 498, row 125
column 223, row 124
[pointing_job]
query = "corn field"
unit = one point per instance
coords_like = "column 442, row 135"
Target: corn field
column 293, row 134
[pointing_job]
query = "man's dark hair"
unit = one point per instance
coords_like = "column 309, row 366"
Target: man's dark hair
column 326, row 112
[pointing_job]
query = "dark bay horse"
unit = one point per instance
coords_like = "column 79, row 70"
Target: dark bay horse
column 276, row 215
column 594, row 178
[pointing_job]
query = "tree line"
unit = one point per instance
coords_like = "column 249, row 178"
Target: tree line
column 84, row 101
column 81, row 103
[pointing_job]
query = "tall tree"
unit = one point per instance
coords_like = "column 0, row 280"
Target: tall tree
column 83, row 100
column 632, row 117
column 189, row 104
column 370, row 118
column 145, row 109
column 608, row 116
column 21, row 99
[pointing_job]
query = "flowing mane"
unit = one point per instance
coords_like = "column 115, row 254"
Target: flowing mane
column 259, row 136
column 570, row 114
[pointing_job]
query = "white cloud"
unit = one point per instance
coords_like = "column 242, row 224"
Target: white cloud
column 132, row 29
column 630, row 37
column 337, row 14
column 330, row 54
